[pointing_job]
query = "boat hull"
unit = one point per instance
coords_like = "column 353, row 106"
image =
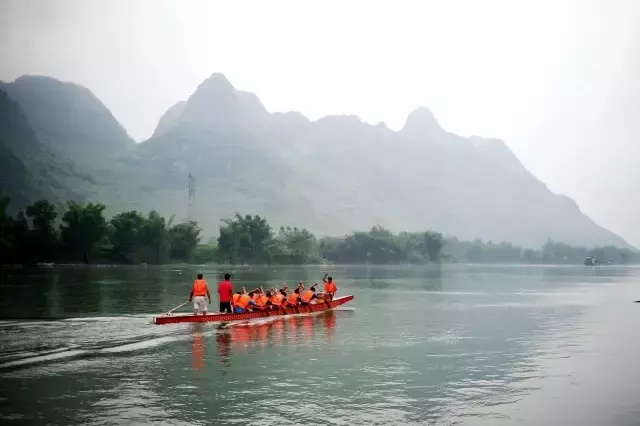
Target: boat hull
column 224, row 317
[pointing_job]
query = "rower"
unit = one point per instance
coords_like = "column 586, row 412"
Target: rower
column 294, row 298
column 199, row 290
column 284, row 289
column 329, row 286
column 235, row 298
column 278, row 297
column 308, row 296
column 262, row 301
column 244, row 302
column 256, row 294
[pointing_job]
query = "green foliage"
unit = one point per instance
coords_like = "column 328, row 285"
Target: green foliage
column 14, row 235
column 380, row 246
column 154, row 243
column 296, row 246
column 136, row 239
column 376, row 246
column 83, row 229
column 125, row 230
column 184, row 239
column 131, row 238
column 86, row 236
column 43, row 238
column 204, row 253
column 478, row 251
column 247, row 239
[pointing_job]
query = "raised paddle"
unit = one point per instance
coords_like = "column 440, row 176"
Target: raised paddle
column 179, row 306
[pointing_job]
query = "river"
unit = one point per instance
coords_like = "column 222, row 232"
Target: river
column 456, row 344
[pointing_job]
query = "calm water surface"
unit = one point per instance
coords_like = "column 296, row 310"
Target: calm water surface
column 476, row 345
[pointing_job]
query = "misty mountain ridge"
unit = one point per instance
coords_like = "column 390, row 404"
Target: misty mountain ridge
column 30, row 170
column 332, row 175
column 69, row 118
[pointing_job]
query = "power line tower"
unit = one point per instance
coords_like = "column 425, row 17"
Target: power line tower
column 191, row 215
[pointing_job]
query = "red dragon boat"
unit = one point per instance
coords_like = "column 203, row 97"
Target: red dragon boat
column 170, row 318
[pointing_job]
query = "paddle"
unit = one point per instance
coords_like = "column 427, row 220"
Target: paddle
column 179, row 306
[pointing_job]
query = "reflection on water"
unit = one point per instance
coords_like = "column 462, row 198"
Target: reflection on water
column 198, row 347
column 233, row 338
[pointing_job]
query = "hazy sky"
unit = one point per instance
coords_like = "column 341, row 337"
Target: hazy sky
column 557, row 80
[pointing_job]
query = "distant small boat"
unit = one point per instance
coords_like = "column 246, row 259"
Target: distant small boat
column 44, row 265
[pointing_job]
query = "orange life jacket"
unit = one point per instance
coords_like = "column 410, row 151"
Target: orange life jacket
column 235, row 298
column 200, row 288
column 277, row 299
column 243, row 301
column 255, row 297
column 330, row 287
column 262, row 300
column 293, row 298
column 307, row 296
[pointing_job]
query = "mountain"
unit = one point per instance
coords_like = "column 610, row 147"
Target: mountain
column 30, row 171
column 170, row 118
column 339, row 173
column 69, row 119
column 333, row 175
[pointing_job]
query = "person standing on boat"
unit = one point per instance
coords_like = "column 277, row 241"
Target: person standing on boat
column 225, row 290
column 198, row 292
column 329, row 286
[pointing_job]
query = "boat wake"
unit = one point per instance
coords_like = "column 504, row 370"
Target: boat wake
column 79, row 338
column 114, row 318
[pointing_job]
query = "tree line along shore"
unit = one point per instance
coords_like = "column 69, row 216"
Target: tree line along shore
column 81, row 233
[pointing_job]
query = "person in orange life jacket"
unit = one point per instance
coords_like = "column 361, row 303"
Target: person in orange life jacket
column 244, row 303
column 308, row 295
column 278, row 297
column 329, row 286
column 262, row 301
column 235, row 298
column 256, row 294
column 294, row 298
column 199, row 290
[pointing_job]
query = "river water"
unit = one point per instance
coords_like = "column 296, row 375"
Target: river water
column 476, row 345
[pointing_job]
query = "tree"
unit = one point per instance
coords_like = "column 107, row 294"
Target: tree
column 14, row 235
column 378, row 246
column 296, row 246
column 247, row 239
column 432, row 243
column 124, row 235
column 204, row 253
column 83, row 229
column 153, row 240
column 43, row 238
column 6, row 224
column 184, row 239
